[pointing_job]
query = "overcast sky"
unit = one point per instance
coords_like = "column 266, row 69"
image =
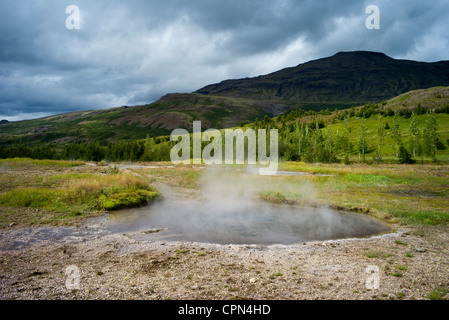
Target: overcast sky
column 133, row 52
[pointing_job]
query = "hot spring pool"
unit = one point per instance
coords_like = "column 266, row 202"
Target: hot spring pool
column 251, row 223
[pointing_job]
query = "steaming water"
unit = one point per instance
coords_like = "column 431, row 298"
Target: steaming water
column 240, row 222
column 225, row 210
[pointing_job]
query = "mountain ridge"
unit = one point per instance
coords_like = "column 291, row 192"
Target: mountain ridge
column 355, row 75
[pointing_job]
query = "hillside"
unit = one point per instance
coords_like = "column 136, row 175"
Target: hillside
column 130, row 123
column 343, row 80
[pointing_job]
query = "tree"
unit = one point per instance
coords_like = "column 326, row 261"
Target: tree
column 380, row 137
column 345, row 140
column 317, row 146
column 266, row 119
column 396, row 133
column 414, row 133
column 329, row 147
column 404, row 156
column 304, row 141
column 420, row 146
column 94, row 152
column 430, row 135
column 363, row 145
column 148, row 149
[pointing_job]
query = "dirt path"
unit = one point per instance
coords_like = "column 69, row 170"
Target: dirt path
column 412, row 262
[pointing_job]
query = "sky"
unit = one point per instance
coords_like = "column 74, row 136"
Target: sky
column 133, row 52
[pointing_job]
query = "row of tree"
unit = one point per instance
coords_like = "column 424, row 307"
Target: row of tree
column 311, row 142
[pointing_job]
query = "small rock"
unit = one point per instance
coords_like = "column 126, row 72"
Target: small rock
column 420, row 250
column 252, row 280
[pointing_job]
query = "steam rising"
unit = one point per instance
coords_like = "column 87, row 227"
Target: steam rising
column 226, row 210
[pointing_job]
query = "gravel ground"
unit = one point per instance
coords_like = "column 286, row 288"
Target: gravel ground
column 411, row 262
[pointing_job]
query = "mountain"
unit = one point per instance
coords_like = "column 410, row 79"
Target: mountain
column 347, row 78
column 343, row 80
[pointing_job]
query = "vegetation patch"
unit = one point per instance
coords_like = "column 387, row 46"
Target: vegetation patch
column 26, row 162
column 126, row 200
column 75, row 195
column 439, row 293
column 275, row 197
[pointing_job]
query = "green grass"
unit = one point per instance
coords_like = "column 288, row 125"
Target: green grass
column 400, row 99
column 401, row 267
column 275, row 275
column 438, row 293
column 409, row 194
column 25, row 162
column 73, row 195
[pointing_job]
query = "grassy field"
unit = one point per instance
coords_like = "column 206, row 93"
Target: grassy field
column 36, row 192
column 410, row 194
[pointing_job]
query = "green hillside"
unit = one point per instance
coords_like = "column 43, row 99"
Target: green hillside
column 132, row 123
column 417, row 102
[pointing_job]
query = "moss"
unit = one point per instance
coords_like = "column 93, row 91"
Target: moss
column 126, row 199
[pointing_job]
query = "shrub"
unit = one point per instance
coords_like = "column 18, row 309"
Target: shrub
column 420, row 110
column 404, row 156
column 439, row 144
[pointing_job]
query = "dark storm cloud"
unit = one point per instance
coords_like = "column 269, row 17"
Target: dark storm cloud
column 133, row 52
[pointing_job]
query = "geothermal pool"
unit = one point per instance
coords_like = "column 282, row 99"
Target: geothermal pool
column 246, row 222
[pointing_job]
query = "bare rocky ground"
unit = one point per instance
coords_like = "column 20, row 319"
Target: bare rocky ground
column 412, row 262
